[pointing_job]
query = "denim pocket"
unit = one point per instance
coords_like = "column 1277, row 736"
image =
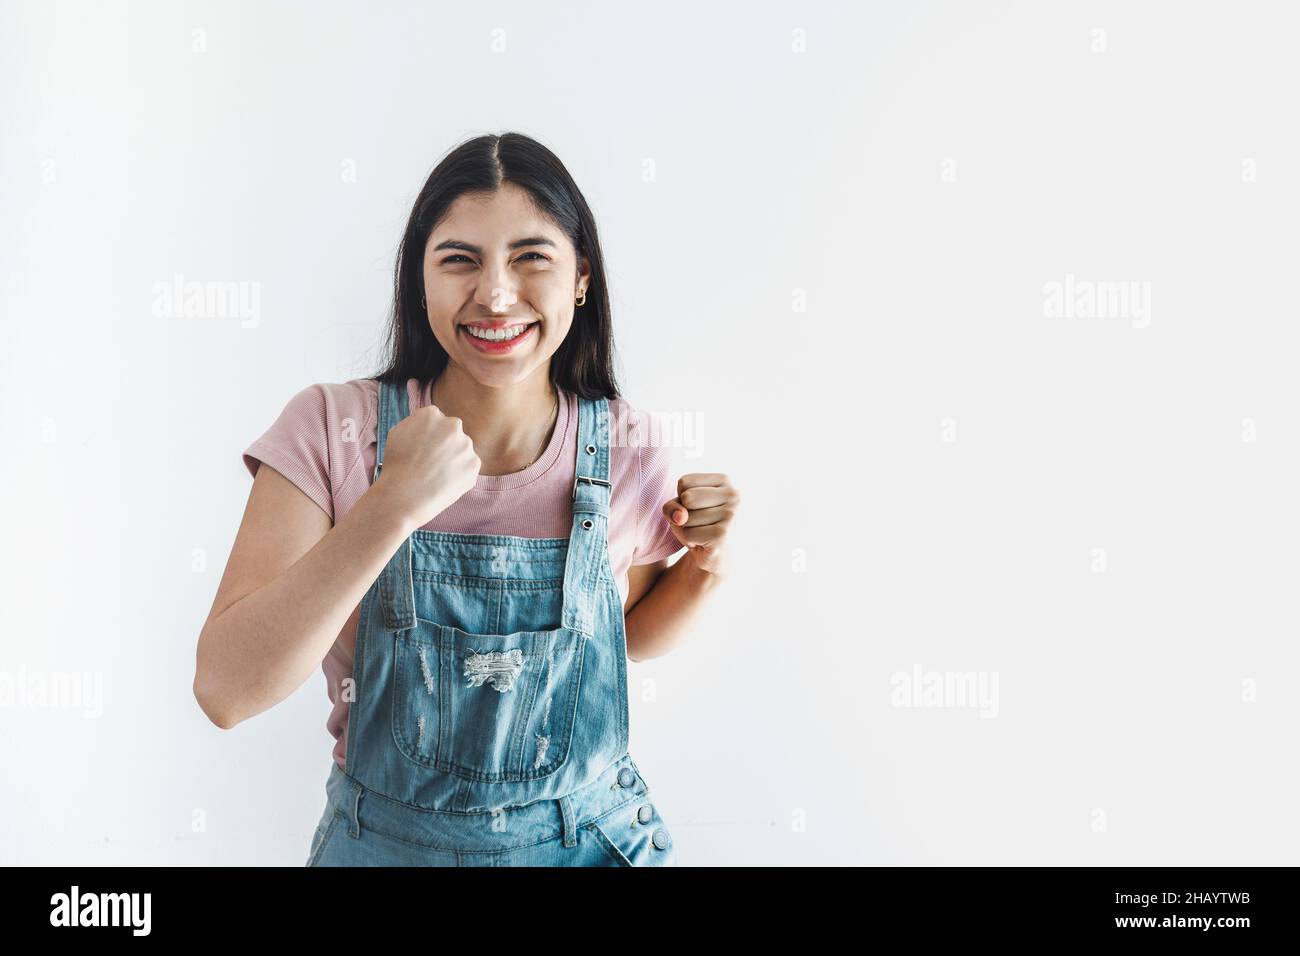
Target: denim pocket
column 321, row 837
column 491, row 707
column 417, row 679
column 601, row 838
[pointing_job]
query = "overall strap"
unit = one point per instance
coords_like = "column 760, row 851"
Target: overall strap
column 396, row 584
column 589, row 535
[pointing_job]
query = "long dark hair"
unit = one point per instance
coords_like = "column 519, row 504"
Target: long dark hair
column 583, row 364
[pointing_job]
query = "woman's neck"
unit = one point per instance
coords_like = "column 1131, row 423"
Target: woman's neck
column 509, row 426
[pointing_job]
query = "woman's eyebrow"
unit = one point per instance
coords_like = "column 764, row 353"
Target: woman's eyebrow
column 470, row 247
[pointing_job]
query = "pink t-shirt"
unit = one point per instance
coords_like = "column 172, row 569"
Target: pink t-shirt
column 324, row 442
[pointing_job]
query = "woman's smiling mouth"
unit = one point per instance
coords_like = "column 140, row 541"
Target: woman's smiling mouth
column 497, row 339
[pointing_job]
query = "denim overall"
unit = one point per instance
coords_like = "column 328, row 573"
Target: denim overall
column 489, row 724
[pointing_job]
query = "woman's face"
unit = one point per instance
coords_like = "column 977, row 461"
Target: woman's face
column 495, row 263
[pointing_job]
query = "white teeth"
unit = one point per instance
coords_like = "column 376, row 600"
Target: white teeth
column 497, row 335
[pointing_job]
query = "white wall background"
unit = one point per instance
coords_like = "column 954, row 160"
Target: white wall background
column 838, row 269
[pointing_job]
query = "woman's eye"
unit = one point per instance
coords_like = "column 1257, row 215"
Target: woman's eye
column 451, row 259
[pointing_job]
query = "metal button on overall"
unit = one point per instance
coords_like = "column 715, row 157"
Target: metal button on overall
column 626, row 777
column 586, row 523
column 645, row 814
column 660, row 839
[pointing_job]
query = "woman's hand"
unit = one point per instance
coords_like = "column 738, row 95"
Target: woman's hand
column 429, row 462
column 700, row 515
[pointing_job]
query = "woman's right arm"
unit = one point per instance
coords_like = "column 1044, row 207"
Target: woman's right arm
column 290, row 585
column 293, row 581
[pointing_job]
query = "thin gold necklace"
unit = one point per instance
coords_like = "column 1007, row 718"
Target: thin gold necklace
column 547, row 436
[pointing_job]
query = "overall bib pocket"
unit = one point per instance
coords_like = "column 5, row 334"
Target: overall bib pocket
column 490, row 707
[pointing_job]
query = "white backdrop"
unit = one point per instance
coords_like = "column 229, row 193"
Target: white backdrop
column 986, row 308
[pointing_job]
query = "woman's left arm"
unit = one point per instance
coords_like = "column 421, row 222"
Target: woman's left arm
column 700, row 516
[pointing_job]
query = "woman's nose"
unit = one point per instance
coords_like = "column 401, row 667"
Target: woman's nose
column 495, row 290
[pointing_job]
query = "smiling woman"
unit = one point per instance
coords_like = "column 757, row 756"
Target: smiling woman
column 481, row 561
column 515, row 299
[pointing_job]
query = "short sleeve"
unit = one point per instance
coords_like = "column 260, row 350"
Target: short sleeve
column 655, row 539
column 297, row 446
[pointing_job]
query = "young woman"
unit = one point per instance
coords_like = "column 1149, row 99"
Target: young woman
column 471, row 545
